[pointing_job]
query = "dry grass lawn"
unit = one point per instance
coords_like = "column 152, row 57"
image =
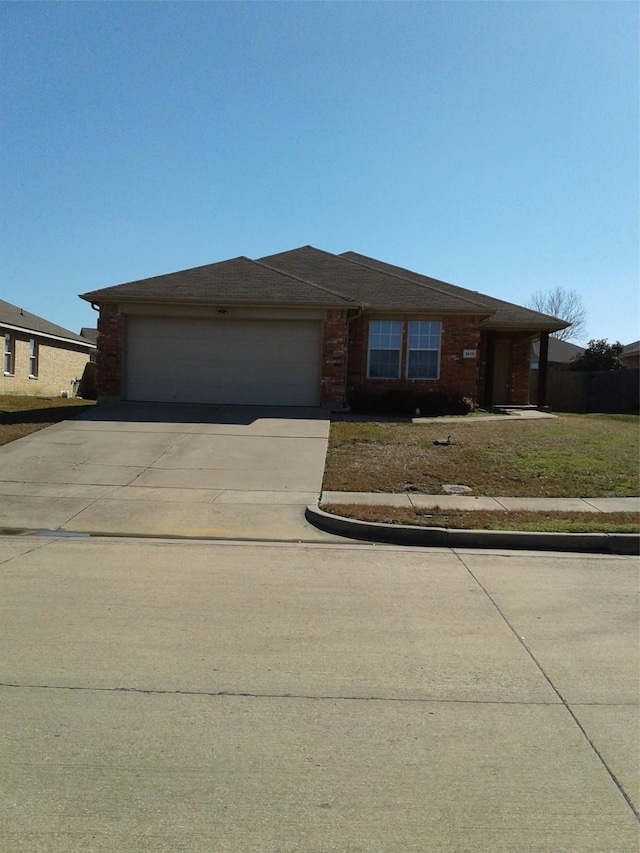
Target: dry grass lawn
column 21, row 415
column 542, row 522
column 570, row 456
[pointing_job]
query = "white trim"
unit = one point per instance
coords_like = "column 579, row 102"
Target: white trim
column 33, row 332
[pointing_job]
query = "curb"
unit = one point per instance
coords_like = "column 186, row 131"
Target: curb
column 441, row 537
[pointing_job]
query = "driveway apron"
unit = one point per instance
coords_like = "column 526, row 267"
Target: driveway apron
column 183, row 470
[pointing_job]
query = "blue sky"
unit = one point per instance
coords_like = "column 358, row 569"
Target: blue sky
column 490, row 144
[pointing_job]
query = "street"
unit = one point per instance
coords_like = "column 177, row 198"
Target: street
column 198, row 696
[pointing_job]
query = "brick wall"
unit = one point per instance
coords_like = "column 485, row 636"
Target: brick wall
column 458, row 375
column 109, row 357
column 334, row 358
column 59, row 364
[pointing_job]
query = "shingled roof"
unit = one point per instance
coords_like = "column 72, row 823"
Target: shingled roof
column 239, row 280
column 311, row 277
column 15, row 318
column 503, row 314
column 377, row 289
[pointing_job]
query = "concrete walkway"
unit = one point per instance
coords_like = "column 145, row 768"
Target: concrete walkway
column 411, row 500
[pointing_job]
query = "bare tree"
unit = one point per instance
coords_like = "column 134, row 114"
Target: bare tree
column 566, row 305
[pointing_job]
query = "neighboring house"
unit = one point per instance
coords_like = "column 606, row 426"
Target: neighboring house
column 90, row 335
column 307, row 327
column 560, row 354
column 40, row 358
column 630, row 354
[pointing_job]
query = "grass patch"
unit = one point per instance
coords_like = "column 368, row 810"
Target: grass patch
column 536, row 522
column 21, row 415
column 569, row 456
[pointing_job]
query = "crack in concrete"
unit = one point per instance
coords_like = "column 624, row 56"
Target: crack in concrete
column 302, row 696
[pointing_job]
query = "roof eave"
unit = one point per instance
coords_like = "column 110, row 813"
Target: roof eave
column 222, row 303
column 35, row 333
column 523, row 327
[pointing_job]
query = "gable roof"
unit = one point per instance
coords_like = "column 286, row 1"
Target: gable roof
column 312, row 277
column 17, row 319
column 503, row 314
column 631, row 349
column 239, row 280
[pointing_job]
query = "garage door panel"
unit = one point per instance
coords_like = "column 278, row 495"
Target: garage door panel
column 275, row 362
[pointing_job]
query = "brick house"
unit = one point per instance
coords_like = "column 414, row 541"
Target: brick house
column 40, row 358
column 308, row 327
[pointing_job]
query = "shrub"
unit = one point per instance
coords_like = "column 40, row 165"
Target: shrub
column 407, row 403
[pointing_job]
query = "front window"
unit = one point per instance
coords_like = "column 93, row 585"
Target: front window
column 423, row 349
column 8, row 353
column 33, row 358
column 385, row 344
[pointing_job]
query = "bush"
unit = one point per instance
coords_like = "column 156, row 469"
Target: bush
column 407, row 403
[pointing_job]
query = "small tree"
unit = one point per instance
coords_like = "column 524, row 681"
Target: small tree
column 599, row 355
column 566, row 305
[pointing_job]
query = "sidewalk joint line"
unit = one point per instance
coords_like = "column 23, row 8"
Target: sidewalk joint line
column 563, row 701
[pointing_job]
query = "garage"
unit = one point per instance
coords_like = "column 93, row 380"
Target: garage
column 231, row 361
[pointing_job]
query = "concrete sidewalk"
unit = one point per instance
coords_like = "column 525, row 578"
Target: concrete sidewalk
column 411, row 500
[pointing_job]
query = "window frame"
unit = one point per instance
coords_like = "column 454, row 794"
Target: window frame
column 9, row 363
column 34, row 358
column 411, row 349
column 397, row 349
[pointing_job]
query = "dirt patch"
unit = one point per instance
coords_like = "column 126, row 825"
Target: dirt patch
column 541, row 522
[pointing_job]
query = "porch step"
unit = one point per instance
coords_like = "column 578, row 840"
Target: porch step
column 527, row 408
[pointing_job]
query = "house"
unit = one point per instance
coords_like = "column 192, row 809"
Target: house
column 90, row 334
column 307, row 327
column 40, row 358
column 560, row 354
column 630, row 355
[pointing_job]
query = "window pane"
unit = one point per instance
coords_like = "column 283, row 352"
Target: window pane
column 424, row 334
column 422, row 364
column 8, row 353
column 385, row 334
column 384, row 364
column 33, row 358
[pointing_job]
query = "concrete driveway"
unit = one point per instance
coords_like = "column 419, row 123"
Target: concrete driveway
column 220, row 471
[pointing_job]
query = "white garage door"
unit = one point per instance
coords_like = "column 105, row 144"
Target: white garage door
column 247, row 362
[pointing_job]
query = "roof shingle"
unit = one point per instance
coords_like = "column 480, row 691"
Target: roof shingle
column 236, row 280
column 503, row 314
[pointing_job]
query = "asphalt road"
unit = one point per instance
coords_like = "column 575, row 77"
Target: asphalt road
column 193, row 696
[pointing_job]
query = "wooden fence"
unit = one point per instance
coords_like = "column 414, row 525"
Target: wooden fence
column 612, row 391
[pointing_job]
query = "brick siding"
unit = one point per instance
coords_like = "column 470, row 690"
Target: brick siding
column 109, row 357
column 334, row 358
column 59, row 365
